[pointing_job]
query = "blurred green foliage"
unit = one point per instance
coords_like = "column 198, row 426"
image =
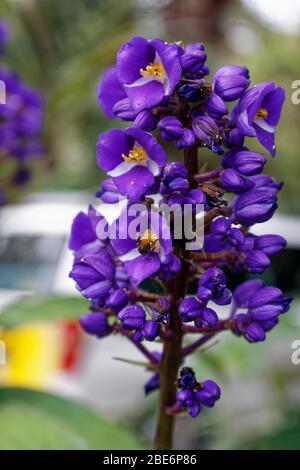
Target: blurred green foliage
column 40, row 421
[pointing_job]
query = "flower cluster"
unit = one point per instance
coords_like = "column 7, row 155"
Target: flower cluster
column 192, row 395
column 21, row 123
column 165, row 91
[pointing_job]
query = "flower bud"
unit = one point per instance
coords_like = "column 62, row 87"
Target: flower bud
column 230, row 88
column 257, row 262
column 193, row 59
column 145, row 121
column 249, row 163
column 132, row 317
column 118, row 299
column 95, row 323
column 151, row 330
column 232, row 181
column 270, row 244
column 170, row 128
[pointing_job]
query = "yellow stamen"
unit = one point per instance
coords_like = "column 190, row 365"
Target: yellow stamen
column 136, row 155
column 262, row 113
column 155, row 70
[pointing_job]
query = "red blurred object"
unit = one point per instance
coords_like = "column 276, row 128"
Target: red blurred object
column 72, row 338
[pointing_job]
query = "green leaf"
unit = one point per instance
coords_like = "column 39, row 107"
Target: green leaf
column 37, row 309
column 32, row 420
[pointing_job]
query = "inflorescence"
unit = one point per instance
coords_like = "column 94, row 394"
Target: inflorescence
column 163, row 89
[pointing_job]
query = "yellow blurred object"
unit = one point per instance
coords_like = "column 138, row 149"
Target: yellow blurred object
column 33, row 353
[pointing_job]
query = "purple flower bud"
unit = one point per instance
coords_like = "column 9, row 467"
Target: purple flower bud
column 170, row 128
column 244, row 292
column 249, row 163
column 122, row 109
column 254, row 333
column 145, row 121
column 151, row 330
column 118, row 299
column 208, row 318
column 270, row 244
column 193, row 59
column 108, row 191
column 235, row 138
column 209, row 393
column 93, row 275
column 185, row 396
column 95, row 323
column 190, row 309
column 230, row 87
column 187, row 139
column 194, row 409
column 255, row 206
column 233, row 182
column 204, row 295
column 257, row 261
column 174, row 178
column 214, row 280
column 205, row 128
column 132, row 317
column 215, row 106
column 152, row 384
column 232, row 70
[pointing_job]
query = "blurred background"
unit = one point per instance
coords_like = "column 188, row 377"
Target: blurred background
column 94, row 399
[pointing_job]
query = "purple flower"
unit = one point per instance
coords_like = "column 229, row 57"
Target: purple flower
column 142, row 253
column 95, row 323
column 133, row 158
column 94, row 275
column 259, row 112
column 148, row 70
column 83, row 239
